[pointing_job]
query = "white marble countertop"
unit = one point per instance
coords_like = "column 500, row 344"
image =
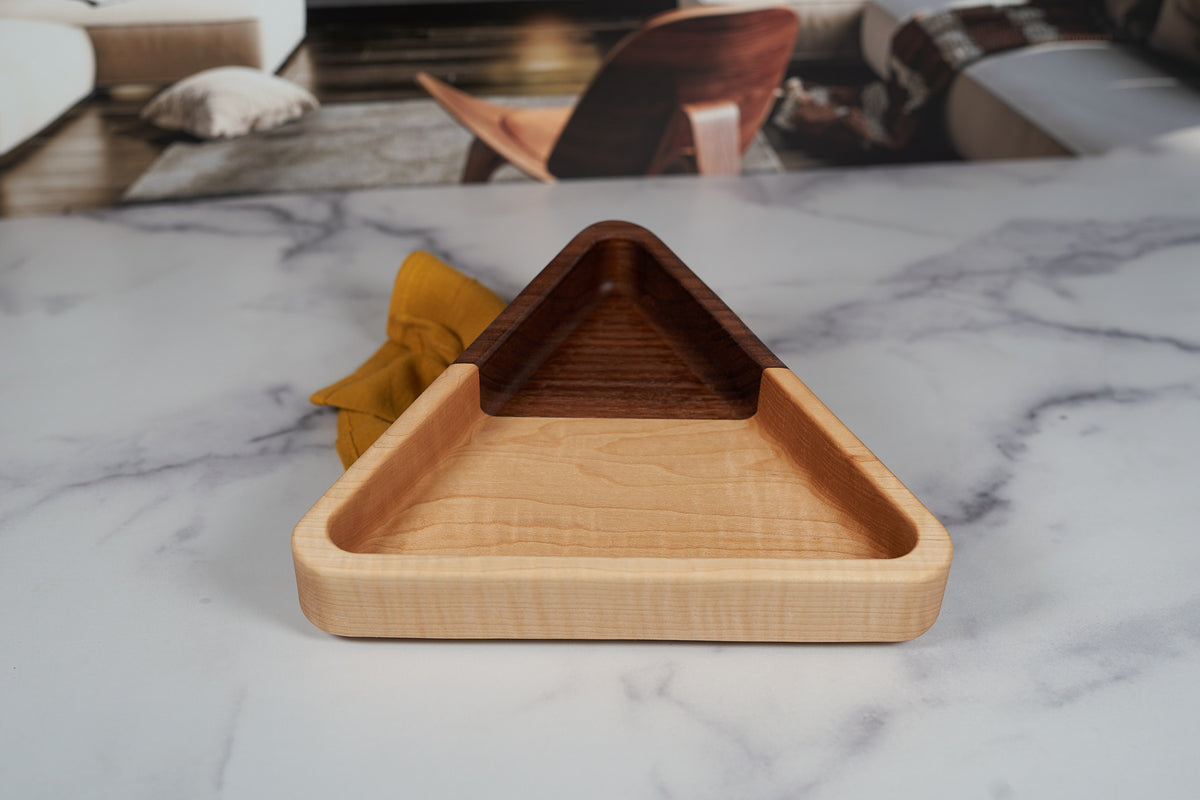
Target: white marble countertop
column 1019, row 343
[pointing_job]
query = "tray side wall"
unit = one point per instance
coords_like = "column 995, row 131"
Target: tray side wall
column 838, row 465
column 598, row 601
column 328, row 571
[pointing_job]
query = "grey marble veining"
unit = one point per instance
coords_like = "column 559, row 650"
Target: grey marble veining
column 1019, row 342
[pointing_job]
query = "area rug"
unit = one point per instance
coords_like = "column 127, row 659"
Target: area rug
column 343, row 146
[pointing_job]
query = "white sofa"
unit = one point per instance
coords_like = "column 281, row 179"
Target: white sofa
column 45, row 68
column 53, row 52
column 158, row 41
column 1050, row 99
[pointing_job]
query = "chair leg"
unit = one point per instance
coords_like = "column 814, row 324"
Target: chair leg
column 715, row 137
column 703, row 136
column 482, row 161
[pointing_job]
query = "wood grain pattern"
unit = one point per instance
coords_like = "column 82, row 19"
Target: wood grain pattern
column 628, row 488
column 626, row 120
column 581, row 541
column 492, row 137
column 690, row 56
column 754, row 516
column 617, row 326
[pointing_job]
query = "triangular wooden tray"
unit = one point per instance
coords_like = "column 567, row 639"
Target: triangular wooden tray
column 618, row 457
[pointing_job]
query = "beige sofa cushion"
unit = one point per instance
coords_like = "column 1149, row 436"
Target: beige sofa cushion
column 979, row 127
column 1050, row 99
column 1090, row 97
column 158, row 41
column 45, row 68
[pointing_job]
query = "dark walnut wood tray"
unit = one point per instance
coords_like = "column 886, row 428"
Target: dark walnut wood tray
column 618, row 457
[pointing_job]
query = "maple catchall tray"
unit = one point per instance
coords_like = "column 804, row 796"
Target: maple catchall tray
column 618, row 457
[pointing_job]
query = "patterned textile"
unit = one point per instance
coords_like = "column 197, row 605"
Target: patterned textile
column 926, row 53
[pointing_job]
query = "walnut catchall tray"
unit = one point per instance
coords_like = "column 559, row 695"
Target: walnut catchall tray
column 618, row 457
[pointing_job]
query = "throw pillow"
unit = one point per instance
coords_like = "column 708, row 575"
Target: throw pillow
column 1177, row 32
column 228, row 101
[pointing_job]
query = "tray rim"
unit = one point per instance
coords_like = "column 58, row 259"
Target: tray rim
column 322, row 565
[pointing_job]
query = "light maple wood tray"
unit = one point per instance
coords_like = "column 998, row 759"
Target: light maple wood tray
column 619, row 457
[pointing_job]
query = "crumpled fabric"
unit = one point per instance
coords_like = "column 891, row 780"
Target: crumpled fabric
column 435, row 312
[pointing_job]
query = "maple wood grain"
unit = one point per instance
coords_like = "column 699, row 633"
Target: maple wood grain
column 782, row 527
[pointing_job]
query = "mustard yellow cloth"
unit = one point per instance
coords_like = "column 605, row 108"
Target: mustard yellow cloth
column 435, row 313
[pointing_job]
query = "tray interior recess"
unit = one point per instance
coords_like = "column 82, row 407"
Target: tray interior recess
column 619, row 334
column 618, row 456
column 678, row 488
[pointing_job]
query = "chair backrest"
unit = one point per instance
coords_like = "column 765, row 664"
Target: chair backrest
column 692, row 55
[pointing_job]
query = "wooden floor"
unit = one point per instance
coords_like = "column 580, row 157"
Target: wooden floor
column 90, row 156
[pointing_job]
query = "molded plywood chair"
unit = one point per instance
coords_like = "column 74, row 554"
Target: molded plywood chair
column 691, row 87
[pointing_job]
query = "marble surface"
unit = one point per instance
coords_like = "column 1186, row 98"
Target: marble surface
column 1019, row 343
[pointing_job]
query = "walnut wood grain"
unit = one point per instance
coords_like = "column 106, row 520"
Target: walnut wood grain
column 617, row 326
column 690, row 56
column 493, row 142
